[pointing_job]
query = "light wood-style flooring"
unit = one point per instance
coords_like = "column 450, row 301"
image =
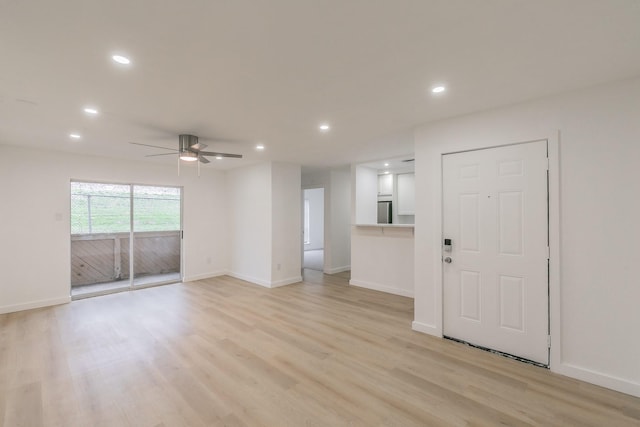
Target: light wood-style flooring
column 222, row 352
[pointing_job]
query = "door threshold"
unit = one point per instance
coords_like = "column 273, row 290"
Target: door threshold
column 500, row 353
column 124, row 289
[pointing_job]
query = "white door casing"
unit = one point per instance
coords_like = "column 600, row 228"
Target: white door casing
column 495, row 211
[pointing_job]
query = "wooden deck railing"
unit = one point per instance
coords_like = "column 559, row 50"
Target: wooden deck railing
column 99, row 258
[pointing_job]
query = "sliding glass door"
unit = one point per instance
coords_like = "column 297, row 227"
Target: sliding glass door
column 123, row 236
column 156, row 235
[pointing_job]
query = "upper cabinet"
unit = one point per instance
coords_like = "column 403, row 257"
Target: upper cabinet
column 390, row 182
column 406, row 193
column 385, row 185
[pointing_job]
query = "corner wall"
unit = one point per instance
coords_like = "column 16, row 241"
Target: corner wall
column 249, row 212
column 338, row 254
column 599, row 182
column 265, row 223
column 286, row 262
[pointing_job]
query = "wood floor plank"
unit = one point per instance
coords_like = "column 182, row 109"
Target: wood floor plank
column 222, row 352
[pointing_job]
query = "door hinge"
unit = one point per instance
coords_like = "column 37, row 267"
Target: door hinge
column 548, row 341
column 548, row 253
column 182, row 234
column 547, row 163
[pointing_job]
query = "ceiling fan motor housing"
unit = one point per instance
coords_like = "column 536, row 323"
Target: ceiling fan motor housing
column 186, row 142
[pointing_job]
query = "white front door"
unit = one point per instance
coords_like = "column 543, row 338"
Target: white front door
column 496, row 273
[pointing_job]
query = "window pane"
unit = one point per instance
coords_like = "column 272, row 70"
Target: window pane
column 156, row 208
column 99, row 208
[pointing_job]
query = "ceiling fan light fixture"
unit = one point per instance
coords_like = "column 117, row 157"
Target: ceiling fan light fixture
column 188, row 156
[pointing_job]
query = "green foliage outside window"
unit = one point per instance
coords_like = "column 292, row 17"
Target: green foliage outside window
column 106, row 208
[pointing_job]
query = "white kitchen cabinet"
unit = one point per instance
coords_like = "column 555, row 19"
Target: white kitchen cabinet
column 385, row 185
column 406, row 193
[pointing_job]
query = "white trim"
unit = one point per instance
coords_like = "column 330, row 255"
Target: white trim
column 598, row 378
column 337, row 269
column 555, row 315
column 381, row 288
column 250, row 279
column 284, row 282
column 265, row 283
column 34, row 304
column 427, row 329
column 203, row 276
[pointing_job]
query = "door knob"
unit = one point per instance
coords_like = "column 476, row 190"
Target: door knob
column 448, row 260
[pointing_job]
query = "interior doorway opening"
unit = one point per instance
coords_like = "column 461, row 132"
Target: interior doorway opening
column 313, row 233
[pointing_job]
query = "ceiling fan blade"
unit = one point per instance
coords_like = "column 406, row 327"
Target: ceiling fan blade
column 203, row 159
column 199, row 146
column 163, row 154
column 154, row 146
column 211, row 153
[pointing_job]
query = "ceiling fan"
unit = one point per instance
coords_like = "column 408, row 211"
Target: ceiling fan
column 190, row 149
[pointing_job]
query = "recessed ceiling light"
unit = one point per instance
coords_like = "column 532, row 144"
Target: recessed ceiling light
column 386, row 164
column 121, row 59
column 259, row 147
column 386, row 172
column 438, row 89
column 91, row 110
column 218, row 157
column 324, row 127
column 74, row 135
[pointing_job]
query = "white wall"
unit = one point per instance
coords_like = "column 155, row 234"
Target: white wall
column 337, row 254
column 35, row 219
column 315, row 196
column 382, row 259
column 594, row 314
column 265, row 223
column 250, row 223
column 286, row 263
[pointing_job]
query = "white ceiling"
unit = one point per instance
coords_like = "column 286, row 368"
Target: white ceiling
column 248, row 71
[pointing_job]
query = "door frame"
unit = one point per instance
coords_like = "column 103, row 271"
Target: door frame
column 324, row 224
column 553, row 147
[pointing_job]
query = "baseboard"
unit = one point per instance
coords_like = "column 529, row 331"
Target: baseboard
column 194, row 277
column 337, row 269
column 381, row 288
column 34, row 304
column 426, row 329
column 265, row 283
column 598, row 378
column 285, row 282
column 250, row 279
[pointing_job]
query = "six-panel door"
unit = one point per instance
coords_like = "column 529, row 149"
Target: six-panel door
column 495, row 213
